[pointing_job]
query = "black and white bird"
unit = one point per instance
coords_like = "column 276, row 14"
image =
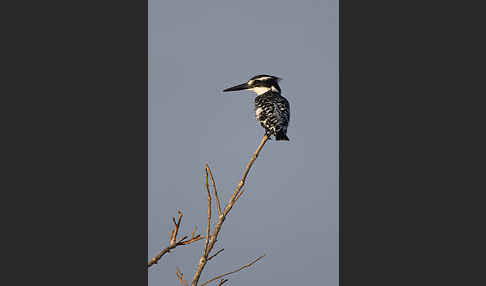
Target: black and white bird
column 271, row 108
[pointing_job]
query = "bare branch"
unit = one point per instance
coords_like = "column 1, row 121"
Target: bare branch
column 252, row 159
column 222, row 282
column 193, row 239
column 156, row 259
column 206, row 247
column 234, row 271
column 239, row 194
column 211, row 240
column 180, row 276
column 173, row 243
column 212, row 256
column 240, row 185
column 176, row 227
column 218, row 204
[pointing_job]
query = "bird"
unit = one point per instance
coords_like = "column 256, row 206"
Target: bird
column 272, row 110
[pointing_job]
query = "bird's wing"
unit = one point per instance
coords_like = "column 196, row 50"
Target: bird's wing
column 283, row 107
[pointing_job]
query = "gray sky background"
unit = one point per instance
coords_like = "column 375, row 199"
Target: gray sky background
column 290, row 208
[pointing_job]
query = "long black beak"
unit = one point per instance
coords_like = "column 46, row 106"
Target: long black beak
column 238, row 87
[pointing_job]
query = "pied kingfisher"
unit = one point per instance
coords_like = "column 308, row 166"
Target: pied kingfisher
column 272, row 109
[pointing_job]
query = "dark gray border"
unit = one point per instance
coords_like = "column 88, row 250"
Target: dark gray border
column 78, row 190
column 411, row 149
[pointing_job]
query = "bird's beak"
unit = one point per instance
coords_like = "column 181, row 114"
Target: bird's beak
column 238, row 87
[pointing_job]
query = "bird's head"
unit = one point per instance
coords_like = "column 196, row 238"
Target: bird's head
column 259, row 84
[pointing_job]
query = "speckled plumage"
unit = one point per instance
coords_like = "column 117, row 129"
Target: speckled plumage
column 273, row 112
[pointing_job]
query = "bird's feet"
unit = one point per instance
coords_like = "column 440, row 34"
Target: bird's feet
column 269, row 135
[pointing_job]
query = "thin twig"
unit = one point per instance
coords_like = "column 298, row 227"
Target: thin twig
column 245, row 174
column 173, row 243
column 252, row 159
column 222, row 282
column 177, row 225
column 206, row 251
column 180, row 276
column 234, row 271
column 218, row 204
column 156, row 259
column 212, row 239
column 212, row 256
column 240, row 194
column 193, row 239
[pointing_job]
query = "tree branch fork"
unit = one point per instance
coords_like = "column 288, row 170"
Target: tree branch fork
column 211, row 235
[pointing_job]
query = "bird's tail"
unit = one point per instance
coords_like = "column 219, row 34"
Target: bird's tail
column 281, row 136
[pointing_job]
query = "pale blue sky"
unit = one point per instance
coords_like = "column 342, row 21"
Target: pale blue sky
column 290, row 208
